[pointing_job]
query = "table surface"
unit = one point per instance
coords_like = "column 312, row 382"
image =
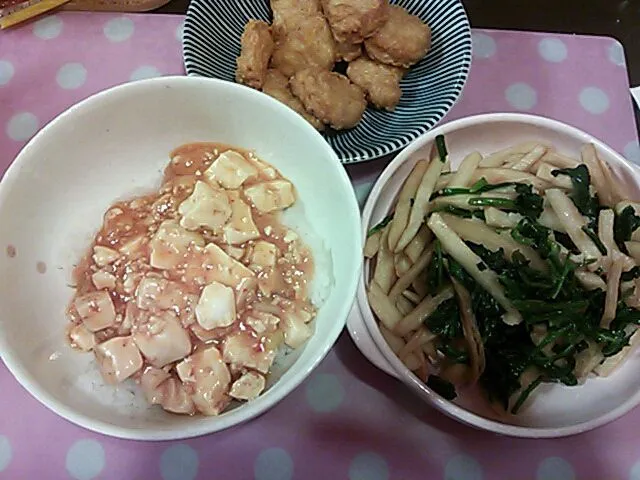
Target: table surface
column 331, row 426
column 336, row 411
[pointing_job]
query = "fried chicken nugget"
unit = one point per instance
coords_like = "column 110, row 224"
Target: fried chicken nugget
column 403, row 41
column 276, row 85
column 331, row 97
column 256, row 46
column 354, row 20
column 308, row 44
column 288, row 13
column 380, row 82
column 348, row 51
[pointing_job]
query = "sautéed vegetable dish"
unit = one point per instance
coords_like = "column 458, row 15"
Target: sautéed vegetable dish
column 520, row 268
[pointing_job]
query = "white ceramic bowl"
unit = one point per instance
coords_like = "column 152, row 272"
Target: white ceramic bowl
column 116, row 144
column 557, row 410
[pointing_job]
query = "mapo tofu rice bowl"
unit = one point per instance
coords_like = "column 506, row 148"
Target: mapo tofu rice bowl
column 500, row 277
column 202, row 273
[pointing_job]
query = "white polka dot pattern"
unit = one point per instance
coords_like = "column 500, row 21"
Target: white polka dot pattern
column 119, row 29
column 179, row 462
column 632, row 152
column 324, row 392
column 521, row 96
column 7, row 71
column 463, row 467
column 552, row 50
column 6, row 453
column 22, row 126
column 634, row 473
column 71, row 76
column 594, row 100
column 484, row 46
column 273, row 464
column 48, row 28
column 616, row 53
column 368, row 466
column 144, row 72
column 85, row 460
column 180, row 31
column 555, row 468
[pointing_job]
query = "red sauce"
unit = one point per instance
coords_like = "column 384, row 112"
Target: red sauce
column 133, row 223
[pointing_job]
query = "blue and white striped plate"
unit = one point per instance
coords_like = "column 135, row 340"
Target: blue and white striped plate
column 211, row 44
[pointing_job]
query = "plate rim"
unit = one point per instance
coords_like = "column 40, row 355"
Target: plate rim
column 454, row 411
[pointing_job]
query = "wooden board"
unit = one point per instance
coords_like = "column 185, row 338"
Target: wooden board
column 114, row 5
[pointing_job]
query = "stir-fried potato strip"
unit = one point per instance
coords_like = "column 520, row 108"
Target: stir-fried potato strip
column 462, row 176
column 420, row 206
column 528, row 161
column 385, row 273
column 456, row 247
column 372, row 244
column 425, row 308
column 500, row 175
column 407, row 195
column 419, row 243
column 410, row 275
column 529, row 238
column 590, row 159
column 499, row 158
column 477, row 231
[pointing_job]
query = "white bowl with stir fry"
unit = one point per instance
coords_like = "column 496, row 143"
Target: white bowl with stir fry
column 178, row 226
column 502, row 275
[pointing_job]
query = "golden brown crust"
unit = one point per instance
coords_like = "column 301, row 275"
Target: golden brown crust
column 380, row 82
column 256, row 49
column 309, row 44
column 331, row 97
column 288, row 13
column 348, row 52
column 276, row 85
column 403, row 41
column 354, row 20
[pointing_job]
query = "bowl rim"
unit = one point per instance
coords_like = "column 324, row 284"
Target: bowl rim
column 248, row 410
column 349, row 155
column 403, row 373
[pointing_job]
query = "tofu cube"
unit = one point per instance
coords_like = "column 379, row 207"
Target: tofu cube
column 216, row 307
column 118, row 359
column 248, row 386
column 102, row 279
column 208, row 377
column 103, row 256
column 176, row 398
column 296, row 330
column 170, row 244
column 242, row 350
column 262, row 322
column 206, row 207
column 230, row 170
column 96, row 310
column 162, row 339
column 271, row 196
column 240, row 228
column 134, row 247
column 221, row 268
column 263, row 255
column 158, row 293
column 151, row 381
column 81, row 338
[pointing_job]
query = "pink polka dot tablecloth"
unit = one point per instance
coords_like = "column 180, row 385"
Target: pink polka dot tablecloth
column 348, row 420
